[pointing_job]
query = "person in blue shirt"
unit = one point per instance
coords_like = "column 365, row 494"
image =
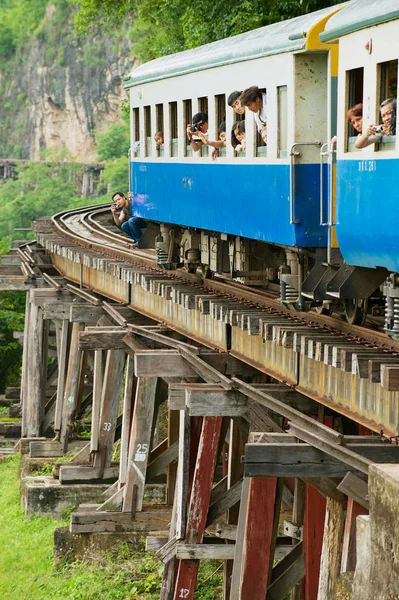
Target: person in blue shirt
column 122, row 212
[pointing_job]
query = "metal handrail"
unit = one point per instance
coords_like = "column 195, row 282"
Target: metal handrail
column 293, row 153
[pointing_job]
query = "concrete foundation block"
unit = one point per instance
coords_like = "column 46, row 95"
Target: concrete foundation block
column 383, row 583
column 45, row 496
column 91, row 546
column 363, row 558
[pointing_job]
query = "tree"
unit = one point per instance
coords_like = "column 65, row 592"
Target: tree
column 162, row 27
column 12, row 307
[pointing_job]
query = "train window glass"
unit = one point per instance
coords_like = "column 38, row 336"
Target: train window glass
column 136, row 131
column 388, row 83
column 260, row 145
column 203, row 107
column 187, row 115
column 354, row 87
column 160, row 128
column 220, row 114
column 147, row 130
column 282, row 108
column 173, row 128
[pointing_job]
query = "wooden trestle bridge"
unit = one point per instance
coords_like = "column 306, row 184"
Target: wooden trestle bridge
column 267, row 410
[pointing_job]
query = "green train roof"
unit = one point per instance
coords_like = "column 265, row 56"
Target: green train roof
column 285, row 36
column 358, row 15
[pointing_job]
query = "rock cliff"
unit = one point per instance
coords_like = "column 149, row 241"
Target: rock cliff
column 59, row 89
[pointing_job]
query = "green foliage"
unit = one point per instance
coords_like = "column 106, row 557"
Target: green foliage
column 114, row 142
column 163, row 27
column 12, row 306
column 18, row 21
column 115, row 174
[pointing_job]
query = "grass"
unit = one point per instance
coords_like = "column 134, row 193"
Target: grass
column 28, row 572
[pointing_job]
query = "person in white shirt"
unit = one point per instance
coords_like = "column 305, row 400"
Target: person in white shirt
column 256, row 102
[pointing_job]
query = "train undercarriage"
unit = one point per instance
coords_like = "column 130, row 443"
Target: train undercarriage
column 305, row 278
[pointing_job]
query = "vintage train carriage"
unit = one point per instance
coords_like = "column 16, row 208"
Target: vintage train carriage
column 367, row 179
column 253, row 213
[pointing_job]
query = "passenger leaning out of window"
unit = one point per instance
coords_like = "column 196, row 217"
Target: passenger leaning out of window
column 158, row 137
column 374, row 133
column 199, row 125
column 256, row 102
column 122, row 209
column 234, row 101
column 216, row 144
column 238, row 140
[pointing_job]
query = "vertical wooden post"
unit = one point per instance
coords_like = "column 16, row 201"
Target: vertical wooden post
column 313, row 530
column 35, row 395
column 96, row 405
column 173, row 436
column 62, row 347
column 259, row 541
column 140, row 439
column 110, row 396
column 236, row 449
column 128, row 400
column 199, row 503
column 353, row 510
column 24, row 374
column 331, row 556
column 71, row 384
column 298, row 513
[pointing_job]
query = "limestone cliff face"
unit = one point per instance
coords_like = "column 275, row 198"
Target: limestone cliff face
column 61, row 90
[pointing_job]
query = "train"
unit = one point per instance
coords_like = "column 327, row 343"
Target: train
column 307, row 210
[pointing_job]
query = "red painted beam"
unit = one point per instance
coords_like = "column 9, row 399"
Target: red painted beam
column 313, row 531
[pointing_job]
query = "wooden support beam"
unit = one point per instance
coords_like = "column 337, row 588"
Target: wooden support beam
column 199, row 502
column 98, row 339
column 128, row 404
column 374, row 368
column 83, row 474
column 331, row 555
column 390, row 377
column 96, row 405
column 355, row 488
column 228, row 499
column 313, row 530
column 259, row 538
column 360, row 363
column 287, row 573
column 177, row 393
column 71, row 385
column 140, row 440
column 170, row 363
column 113, row 378
column 160, row 464
column 35, row 384
column 205, row 551
column 214, row 402
column 85, row 313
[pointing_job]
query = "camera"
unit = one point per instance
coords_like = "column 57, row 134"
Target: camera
column 195, row 127
column 379, row 128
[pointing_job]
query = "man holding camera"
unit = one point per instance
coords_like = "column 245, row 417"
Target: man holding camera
column 199, row 125
column 122, row 210
column 375, row 132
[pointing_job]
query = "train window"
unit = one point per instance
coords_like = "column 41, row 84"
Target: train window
column 354, row 87
column 203, row 107
column 282, row 108
column 220, row 114
column 388, row 83
column 260, row 145
column 136, row 131
column 187, row 116
column 173, row 128
column 159, row 134
column 147, row 130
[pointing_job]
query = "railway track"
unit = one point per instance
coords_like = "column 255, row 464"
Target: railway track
column 91, row 228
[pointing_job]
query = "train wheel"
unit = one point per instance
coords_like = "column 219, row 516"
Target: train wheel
column 356, row 311
column 326, row 308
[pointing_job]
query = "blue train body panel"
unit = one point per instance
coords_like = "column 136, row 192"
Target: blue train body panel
column 368, row 212
column 246, row 200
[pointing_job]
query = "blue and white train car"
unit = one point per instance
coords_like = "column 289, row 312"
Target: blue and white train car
column 367, row 32
column 252, row 214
